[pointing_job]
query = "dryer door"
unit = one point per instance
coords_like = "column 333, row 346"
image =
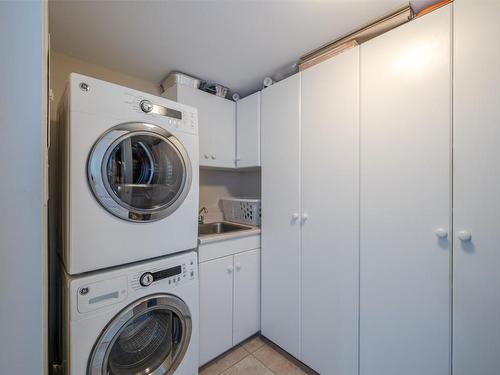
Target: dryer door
column 139, row 172
column 150, row 336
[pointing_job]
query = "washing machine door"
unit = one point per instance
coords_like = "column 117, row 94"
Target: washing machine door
column 150, row 336
column 139, row 172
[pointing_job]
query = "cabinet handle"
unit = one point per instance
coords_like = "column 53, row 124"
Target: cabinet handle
column 213, row 157
column 295, row 216
column 304, row 217
column 230, row 268
column 441, row 233
column 205, row 156
column 464, row 235
column 238, row 266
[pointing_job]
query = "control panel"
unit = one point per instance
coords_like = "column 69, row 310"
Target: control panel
column 173, row 275
column 180, row 118
column 103, row 293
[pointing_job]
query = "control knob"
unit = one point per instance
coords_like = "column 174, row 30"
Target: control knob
column 146, row 279
column 146, row 106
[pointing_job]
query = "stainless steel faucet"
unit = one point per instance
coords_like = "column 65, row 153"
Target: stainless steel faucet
column 201, row 218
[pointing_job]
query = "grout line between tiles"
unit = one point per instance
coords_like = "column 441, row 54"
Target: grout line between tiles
column 263, row 364
column 234, row 364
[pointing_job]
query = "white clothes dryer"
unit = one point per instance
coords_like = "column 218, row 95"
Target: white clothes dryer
column 136, row 319
column 129, row 175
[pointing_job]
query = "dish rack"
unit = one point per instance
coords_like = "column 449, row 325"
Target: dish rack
column 241, row 210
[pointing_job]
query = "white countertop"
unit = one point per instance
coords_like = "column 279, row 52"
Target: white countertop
column 208, row 238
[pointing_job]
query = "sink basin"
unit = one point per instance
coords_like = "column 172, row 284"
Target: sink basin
column 219, row 228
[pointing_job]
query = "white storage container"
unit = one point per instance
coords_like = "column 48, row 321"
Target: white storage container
column 180, row 79
column 241, row 210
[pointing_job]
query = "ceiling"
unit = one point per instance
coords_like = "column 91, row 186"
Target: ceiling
column 234, row 43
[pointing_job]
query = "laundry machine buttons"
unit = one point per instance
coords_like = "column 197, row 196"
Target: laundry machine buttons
column 146, row 106
column 146, row 279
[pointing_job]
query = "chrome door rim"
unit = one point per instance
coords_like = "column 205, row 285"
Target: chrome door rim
column 99, row 184
column 98, row 360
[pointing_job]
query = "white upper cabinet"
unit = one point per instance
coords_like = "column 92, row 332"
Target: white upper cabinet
column 216, row 119
column 248, row 131
column 280, row 218
column 330, row 234
column 476, row 268
column 405, row 199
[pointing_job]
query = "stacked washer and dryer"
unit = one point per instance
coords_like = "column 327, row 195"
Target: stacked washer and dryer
column 129, row 201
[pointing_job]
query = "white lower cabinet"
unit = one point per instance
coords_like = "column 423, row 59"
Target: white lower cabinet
column 216, row 307
column 229, row 301
column 246, row 295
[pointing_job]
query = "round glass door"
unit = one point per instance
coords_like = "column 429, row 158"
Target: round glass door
column 139, row 172
column 149, row 337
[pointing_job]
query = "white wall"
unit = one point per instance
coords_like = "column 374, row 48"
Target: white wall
column 61, row 65
column 22, row 220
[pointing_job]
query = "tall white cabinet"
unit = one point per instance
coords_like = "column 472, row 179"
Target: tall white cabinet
column 381, row 202
column 405, row 199
column 280, row 238
column 329, row 181
column 476, row 187
column 310, row 215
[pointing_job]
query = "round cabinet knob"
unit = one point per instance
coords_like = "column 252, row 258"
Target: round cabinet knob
column 238, row 158
column 238, row 266
column 230, row 269
column 205, row 156
column 441, row 233
column 146, row 279
column 213, row 157
column 146, row 106
column 295, row 216
column 305, row 217
column 464, row 235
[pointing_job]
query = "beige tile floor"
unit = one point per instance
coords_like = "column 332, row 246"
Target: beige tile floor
column 256, row 356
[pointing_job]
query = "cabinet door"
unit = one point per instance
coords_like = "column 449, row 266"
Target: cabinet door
column 246, row 295
column 248, row 131
column 476, row 276
column 280, row 201
column 330, row 236
column 216, row 307
column 405, row 199
column 216, row 122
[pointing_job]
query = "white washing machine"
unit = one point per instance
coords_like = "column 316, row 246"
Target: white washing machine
column 139, row 319
column 129, row 175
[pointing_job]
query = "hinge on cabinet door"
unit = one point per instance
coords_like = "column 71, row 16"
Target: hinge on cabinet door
column 56, row 369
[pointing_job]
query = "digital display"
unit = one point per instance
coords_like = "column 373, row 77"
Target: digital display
column 174, row 114
column 163, row 274
column 169, row 112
